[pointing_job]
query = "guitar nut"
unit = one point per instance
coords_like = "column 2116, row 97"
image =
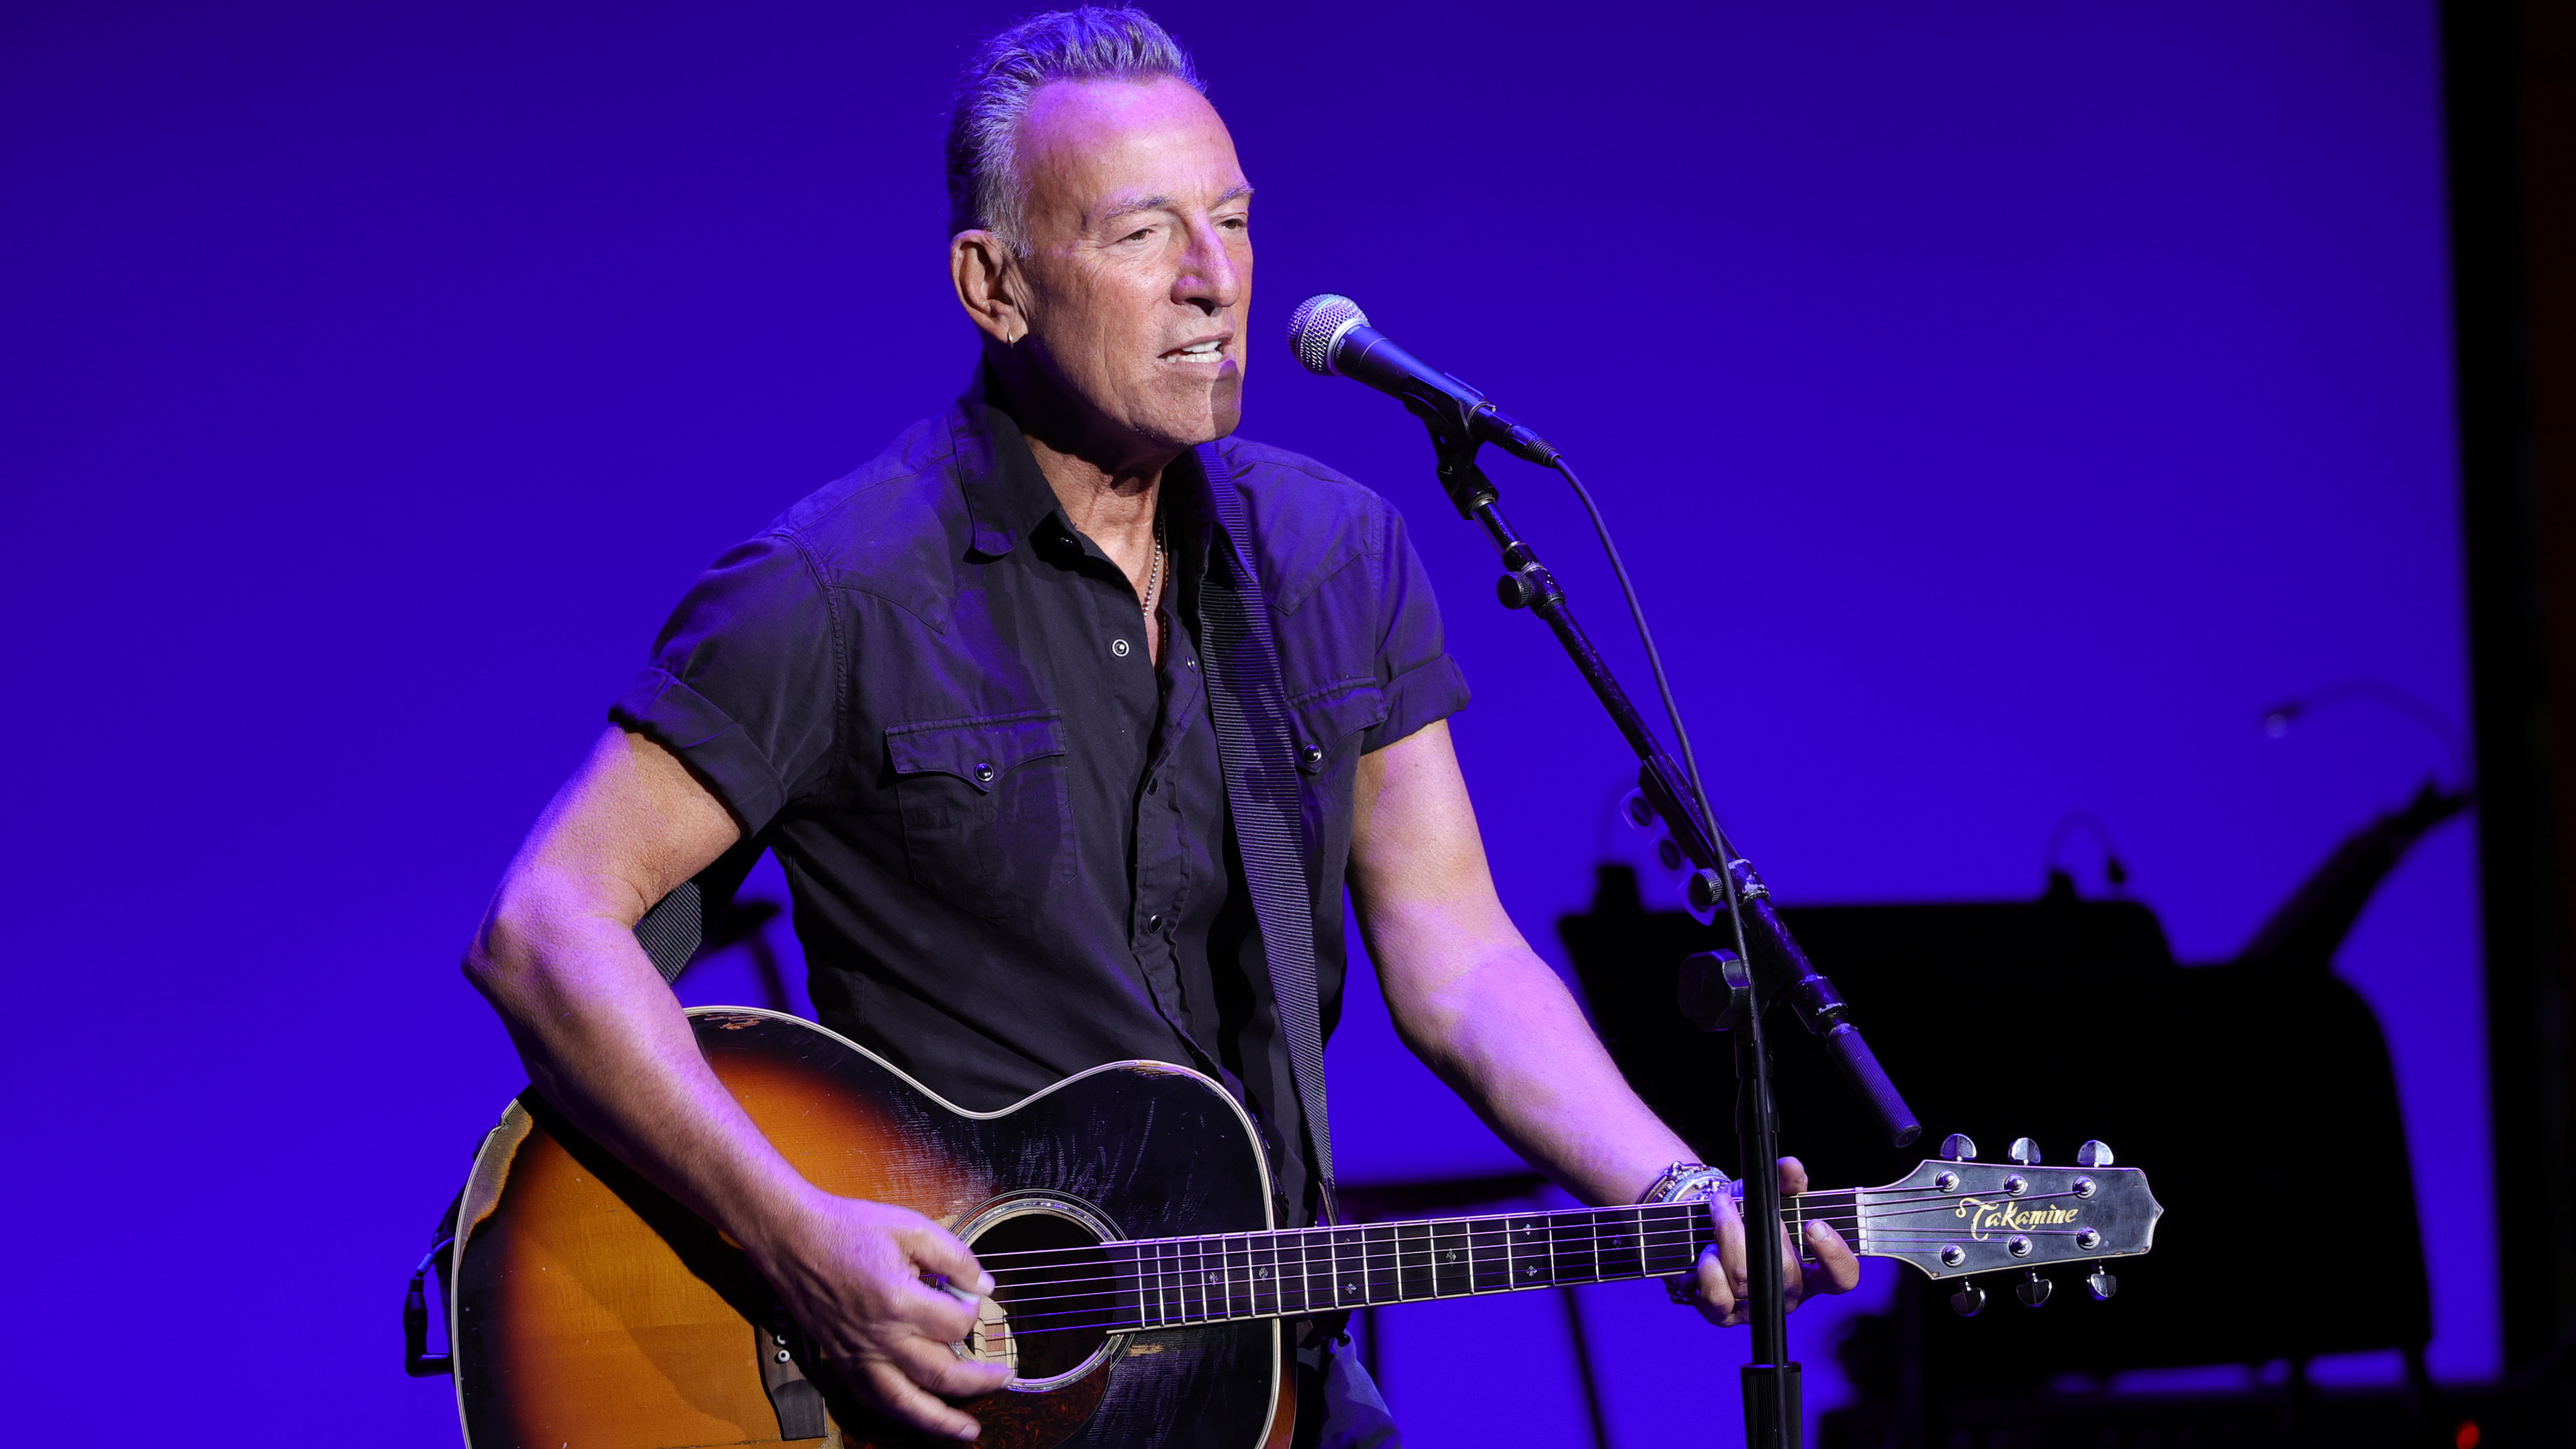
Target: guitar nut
column 2016, row 1184
column 1947, row 1182
column 2020, row 1247
column 2088, row 1239
column 2084, row 1187
column 1952, row 1255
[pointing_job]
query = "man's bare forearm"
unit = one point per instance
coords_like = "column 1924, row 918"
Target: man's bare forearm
column 1499, row 1027
column 603, row 1039
column 607, row 1045
column 1470, row 997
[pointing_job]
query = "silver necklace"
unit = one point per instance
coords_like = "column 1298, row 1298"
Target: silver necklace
column 1154, row 570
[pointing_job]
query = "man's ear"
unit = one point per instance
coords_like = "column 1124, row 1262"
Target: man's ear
column 989, row 285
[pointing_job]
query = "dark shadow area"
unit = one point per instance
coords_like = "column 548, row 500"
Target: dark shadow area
column 2256, row 1094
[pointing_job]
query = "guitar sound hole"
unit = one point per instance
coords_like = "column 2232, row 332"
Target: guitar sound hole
column 1056, row 1292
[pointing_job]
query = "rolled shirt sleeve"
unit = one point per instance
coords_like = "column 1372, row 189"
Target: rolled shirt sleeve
column 1422, row 682
column 744, row 682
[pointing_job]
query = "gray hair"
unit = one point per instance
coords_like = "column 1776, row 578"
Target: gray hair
column 985, row 191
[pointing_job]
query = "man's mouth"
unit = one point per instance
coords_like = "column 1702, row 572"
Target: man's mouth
column 1210, row 349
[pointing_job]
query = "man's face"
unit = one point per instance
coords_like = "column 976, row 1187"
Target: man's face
column 1139, row 270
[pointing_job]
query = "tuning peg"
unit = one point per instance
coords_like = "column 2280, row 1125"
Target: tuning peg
column 2093, row 1154
column 2033, row 1290
column 1968, row 1299
column 2023, row 1152
column 2102, row 1283
column 1959, row 1147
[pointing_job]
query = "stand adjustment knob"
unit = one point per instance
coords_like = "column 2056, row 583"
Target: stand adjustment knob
column 1516, row 591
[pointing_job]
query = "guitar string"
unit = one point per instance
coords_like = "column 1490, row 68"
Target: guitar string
column 1226, row 1245
column 1164, row 1256
column 1252, row 1312
column 1200, row 1251
column 1180, row 1277
column 1944, row 1198
column 1475, row 1223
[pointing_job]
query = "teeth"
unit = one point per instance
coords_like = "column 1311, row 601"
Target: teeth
column 1201, row 349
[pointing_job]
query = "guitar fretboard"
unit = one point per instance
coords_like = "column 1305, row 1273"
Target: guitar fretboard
column 1162, row 1282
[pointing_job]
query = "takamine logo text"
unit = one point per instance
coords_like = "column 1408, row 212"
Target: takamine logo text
column 2010, row 1217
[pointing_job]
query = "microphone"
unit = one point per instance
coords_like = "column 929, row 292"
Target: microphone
column 1331, row 335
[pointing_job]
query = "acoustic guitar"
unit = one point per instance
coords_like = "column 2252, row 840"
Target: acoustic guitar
column 1125, row 1215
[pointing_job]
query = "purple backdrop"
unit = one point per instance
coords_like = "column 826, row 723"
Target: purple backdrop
column 2047, row 389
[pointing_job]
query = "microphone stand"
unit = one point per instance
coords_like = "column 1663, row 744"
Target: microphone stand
column 1722, row 878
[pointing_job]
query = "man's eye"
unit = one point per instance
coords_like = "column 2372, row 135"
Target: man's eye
column 1138, row 235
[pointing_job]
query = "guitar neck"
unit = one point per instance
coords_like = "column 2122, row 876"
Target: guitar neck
column 1291, row 1273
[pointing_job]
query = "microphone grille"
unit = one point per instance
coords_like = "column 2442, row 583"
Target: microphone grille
column 1317, row 326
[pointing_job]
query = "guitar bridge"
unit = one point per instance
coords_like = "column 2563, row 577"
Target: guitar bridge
column 796, row 1399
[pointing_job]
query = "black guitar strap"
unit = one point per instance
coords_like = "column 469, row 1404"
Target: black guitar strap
column 1259, row 752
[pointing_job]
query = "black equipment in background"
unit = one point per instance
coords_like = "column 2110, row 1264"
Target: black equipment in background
column 2249, row 1085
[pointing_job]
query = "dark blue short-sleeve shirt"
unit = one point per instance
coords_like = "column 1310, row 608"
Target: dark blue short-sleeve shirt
column 1005, row 827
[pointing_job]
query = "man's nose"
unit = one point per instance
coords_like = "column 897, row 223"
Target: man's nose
column 1209, row 279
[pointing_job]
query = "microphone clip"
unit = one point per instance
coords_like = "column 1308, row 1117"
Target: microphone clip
column 1454, row 445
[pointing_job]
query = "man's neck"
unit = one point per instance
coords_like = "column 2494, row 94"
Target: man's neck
column 1109, row 485
column 1109, row 493
column 1113, row 505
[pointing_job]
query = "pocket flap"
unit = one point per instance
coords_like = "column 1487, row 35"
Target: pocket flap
column 1331, row 717
column 978, row 751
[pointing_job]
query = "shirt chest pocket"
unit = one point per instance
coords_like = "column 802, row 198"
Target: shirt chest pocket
column 986, row 820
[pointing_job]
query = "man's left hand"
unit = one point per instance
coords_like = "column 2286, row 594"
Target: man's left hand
column 1718, row 1287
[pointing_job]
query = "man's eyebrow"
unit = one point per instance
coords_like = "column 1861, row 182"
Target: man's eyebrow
column 1130, row 205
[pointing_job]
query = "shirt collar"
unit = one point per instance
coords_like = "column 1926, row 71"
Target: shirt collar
column 1007, row 496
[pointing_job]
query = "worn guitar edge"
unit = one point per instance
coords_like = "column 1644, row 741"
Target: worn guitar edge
column 483, row 1184
column 492, row 1160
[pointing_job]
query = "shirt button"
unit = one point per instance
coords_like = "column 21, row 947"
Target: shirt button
column 1312, row 754
column 983, row 772
column 1153, row 923
column 1119, row 647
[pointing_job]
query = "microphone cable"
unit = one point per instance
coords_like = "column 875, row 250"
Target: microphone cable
column 1655, row 663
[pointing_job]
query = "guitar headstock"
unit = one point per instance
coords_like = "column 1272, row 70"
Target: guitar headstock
column 1958, row 1216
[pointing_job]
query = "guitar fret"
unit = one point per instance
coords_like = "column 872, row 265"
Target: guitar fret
column 1451, row 1272
column 1166, row 1282
column 1381, row 1271
column 1206, row 1282
column 1413, row 1253
column 1571, row 1257
column 1350, row 1268
column 1238, row 1286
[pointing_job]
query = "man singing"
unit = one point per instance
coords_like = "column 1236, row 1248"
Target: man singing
column 963, row 694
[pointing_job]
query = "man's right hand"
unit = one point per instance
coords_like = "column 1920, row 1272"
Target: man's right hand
column 850, row 1272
